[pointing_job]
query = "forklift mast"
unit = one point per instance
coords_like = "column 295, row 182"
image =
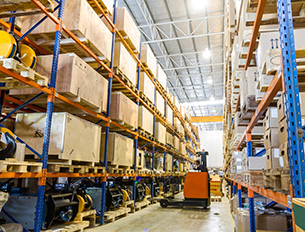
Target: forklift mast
column 203, row 160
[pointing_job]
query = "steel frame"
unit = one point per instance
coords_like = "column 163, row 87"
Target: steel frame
column 51, row 91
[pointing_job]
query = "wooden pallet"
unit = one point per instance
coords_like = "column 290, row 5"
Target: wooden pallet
column 141, row 205
column 120, row 169
column 111, row 216
column 114, row 170
column 144, row 172
column 147, row 101
column 62, row 168
column 22, row 7
column 148, row 69
column 128, row 41
column 254, row 178
column 146, row 134
column 87, row 216
column 14, row 165
column 69, row 227
column 118, row 87
column 216, row 198
column 277, row 179
column 107, row 9
column 23, row 70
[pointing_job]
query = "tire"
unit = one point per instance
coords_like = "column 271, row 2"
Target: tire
column 164, row 203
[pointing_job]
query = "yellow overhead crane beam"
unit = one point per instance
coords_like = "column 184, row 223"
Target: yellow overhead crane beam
column 207, row 119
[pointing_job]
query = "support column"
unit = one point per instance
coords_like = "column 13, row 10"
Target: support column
column 251, row 210
column 240, row 204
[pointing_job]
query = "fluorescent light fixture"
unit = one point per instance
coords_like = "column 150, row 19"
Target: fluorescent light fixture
column 214, row 110
column 212, row 98
column 210, row 80
column 207, row 53
column 199, row 4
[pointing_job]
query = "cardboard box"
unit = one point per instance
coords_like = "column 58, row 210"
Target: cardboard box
column 273, row 158
column 147, row 87
column 282, row 130
column 277, row 222
column 284, row 160
column 182, row 148
column 120, row 150
column 75, row 80
column 146, row 120
column 161, row 76
column 169, row 138
column 148, row 59
column 281, row 108
column 124, row 110
column 81, row 20
column 160, row 132
column 176, row 142
column 271, row 138
column 169, row 114
column 140, row 159
column 271, row 118
column 256, row 163
column 124, row 62
column 67, row 143
column 160, row 102
column 128, row 28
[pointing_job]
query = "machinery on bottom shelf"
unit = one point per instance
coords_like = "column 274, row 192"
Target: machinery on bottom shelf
column 196, row 187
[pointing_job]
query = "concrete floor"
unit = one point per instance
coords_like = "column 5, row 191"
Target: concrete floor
column 156, row 219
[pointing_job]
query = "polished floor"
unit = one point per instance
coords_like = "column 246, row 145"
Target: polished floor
column 156, row 219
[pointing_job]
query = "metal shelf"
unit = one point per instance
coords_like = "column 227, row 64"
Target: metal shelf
column 51, row 92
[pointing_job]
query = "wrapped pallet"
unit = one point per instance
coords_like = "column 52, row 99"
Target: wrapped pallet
column 82, row 21
column 127, row 27
column 72, row 139
column 160, row 133
column 75, row 80
column 120, row 150
column 145, row 120
column 158, row 162
column 148, row 59
column 124, row 64
column 161, row 76
column 168, row 162
column 124, row 110
column 160, row 102
column 147, row 87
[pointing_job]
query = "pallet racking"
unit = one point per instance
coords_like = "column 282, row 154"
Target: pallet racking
column 286, row 78
column 51, row 92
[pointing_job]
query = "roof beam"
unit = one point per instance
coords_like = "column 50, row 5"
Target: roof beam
column 194, row 86
column 193, row 66
column 207, row 119
column 188, row 53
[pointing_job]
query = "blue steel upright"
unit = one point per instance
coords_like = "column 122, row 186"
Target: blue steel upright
column 153, row 146
column 240, row 203
column 292, row 100
column 136, row 139
column 47, row 132
column 103, row 200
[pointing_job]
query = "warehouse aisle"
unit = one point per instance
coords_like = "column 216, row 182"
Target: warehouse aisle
column 156, row 219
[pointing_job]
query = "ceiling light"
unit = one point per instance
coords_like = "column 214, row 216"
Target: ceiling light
column 207, row 53
column 213, row 110
column 210, row 80
column 199, row 4
column 212, row 98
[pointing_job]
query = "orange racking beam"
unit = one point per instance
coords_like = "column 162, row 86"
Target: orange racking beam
column 17, row 101
column 272, row 90
column 257, row 22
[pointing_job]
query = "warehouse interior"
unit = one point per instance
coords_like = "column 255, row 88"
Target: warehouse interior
column 152, row 115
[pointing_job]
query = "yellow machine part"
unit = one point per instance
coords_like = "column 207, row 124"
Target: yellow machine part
column 82, row 203
column 8, row 45
column 125, row 195
column 3, row 131
column 147, row 190
column 27, row 56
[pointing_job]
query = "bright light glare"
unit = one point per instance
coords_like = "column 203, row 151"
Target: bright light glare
column 214, row 110
column 198, row 4
column 210, row 80
column 212, row 98
column 207, row 53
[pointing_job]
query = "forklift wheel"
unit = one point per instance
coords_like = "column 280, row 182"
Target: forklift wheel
column 164, row 203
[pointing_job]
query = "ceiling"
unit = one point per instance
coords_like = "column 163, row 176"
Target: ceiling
column 187, row 37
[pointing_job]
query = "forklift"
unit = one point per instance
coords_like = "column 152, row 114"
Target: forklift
column 196, row 187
